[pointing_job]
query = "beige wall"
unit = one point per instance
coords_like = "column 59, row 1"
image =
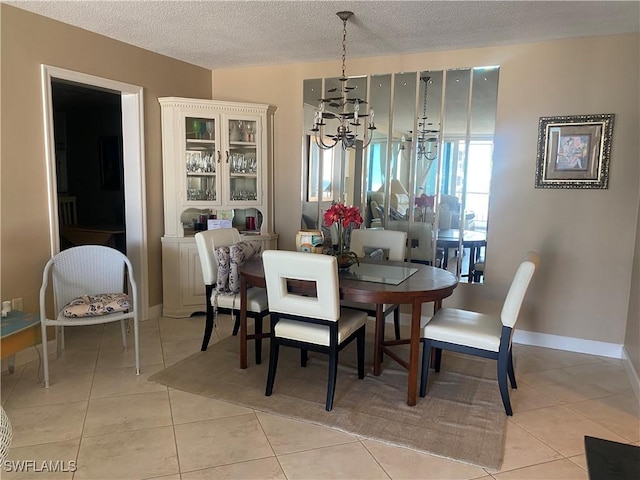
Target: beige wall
column 29, row 40
column 586, row 238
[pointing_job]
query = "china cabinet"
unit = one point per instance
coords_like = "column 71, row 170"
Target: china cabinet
column 217, row 168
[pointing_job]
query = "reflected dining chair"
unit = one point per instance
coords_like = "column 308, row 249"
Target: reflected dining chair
column 308, row 322
column 67, row 211
column 479, row 334
column 391, row 241
column 257, row 305
column 89, row 288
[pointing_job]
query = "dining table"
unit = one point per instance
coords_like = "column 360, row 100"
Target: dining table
column 471, row 239
column 376, row 282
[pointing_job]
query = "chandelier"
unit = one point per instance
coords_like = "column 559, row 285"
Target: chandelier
column 347, row 112
column 426, row 137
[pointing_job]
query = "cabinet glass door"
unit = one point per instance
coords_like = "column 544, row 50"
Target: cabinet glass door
column 201, row 159
column 243, row 161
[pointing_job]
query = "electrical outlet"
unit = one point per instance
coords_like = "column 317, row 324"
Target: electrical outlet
column 16, row 304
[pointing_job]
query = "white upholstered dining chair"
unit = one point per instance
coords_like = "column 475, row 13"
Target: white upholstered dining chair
column 92, row 284
column 257, row 304
column 479, row 334
column 391, row 241
column 307, row 322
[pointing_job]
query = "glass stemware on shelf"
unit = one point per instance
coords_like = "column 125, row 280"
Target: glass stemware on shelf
column 209, row 126
column 240, row 130
column 198, row 162
column 195, row 125
column 241, row 163
column 249, row 128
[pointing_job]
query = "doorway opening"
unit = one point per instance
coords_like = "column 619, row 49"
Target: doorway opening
column 87, row 124
column 129, row 147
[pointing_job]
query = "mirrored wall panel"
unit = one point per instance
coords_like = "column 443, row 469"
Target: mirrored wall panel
column 427, row 169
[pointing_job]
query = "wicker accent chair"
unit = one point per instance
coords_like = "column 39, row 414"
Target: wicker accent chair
column 79, row 275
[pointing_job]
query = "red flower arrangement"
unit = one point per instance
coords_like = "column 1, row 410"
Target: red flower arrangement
column 339, row 212
column 425, row 200
column 343, row 216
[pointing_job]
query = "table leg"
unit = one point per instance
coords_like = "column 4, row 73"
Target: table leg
column 12, row 363
column 472, row 262
column 243, row 322
column 378, row 339
column 414, row 352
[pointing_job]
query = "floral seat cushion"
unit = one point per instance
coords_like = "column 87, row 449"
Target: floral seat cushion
column 95, row 305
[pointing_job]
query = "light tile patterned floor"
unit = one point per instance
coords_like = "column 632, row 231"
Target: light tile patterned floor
column 115, row 425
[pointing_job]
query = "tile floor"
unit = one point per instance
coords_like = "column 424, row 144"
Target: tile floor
column 115, row 425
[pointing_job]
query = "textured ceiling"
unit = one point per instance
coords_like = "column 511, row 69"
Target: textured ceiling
column 223, row 34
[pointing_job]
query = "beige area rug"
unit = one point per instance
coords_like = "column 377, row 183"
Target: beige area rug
column 461, row 417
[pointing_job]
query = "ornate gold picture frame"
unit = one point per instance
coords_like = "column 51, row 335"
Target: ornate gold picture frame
column 574, row 151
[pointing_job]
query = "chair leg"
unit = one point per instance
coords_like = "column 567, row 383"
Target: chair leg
column 136, row 344
column 396, row 322
column 123, row 329
column 511, row 372
column 45, row 355
column 236, row 324
column 438, row 360
column 333, row 373
column 208, row 326
column 257, row 322
column 59, row 334
column 208, row 329
column 360, row 346
column 426, row 358
column 273, row 364
column 503, row 360
column 304, row 357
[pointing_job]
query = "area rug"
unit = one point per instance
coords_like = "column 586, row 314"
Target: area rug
column 461, row 417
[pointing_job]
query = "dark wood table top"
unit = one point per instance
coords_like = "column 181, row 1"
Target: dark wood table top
column 428, row 284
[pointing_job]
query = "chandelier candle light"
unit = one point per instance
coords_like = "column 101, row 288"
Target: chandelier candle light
column 343, row 217
column 348, row 110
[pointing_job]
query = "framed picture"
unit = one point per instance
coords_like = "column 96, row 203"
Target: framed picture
column 111, row 163
column 574, row 151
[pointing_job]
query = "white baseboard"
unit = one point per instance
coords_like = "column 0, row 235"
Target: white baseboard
column 570, row 344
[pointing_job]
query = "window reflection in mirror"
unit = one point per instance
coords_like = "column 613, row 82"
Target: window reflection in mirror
column 376, row 165
column 466, row 162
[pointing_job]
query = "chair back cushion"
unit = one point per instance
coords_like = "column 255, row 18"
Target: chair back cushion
column 207, row 242
column 280, row 265
column 519, row 285
column 389, row 240
column 229, row 258
column 87, row 270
